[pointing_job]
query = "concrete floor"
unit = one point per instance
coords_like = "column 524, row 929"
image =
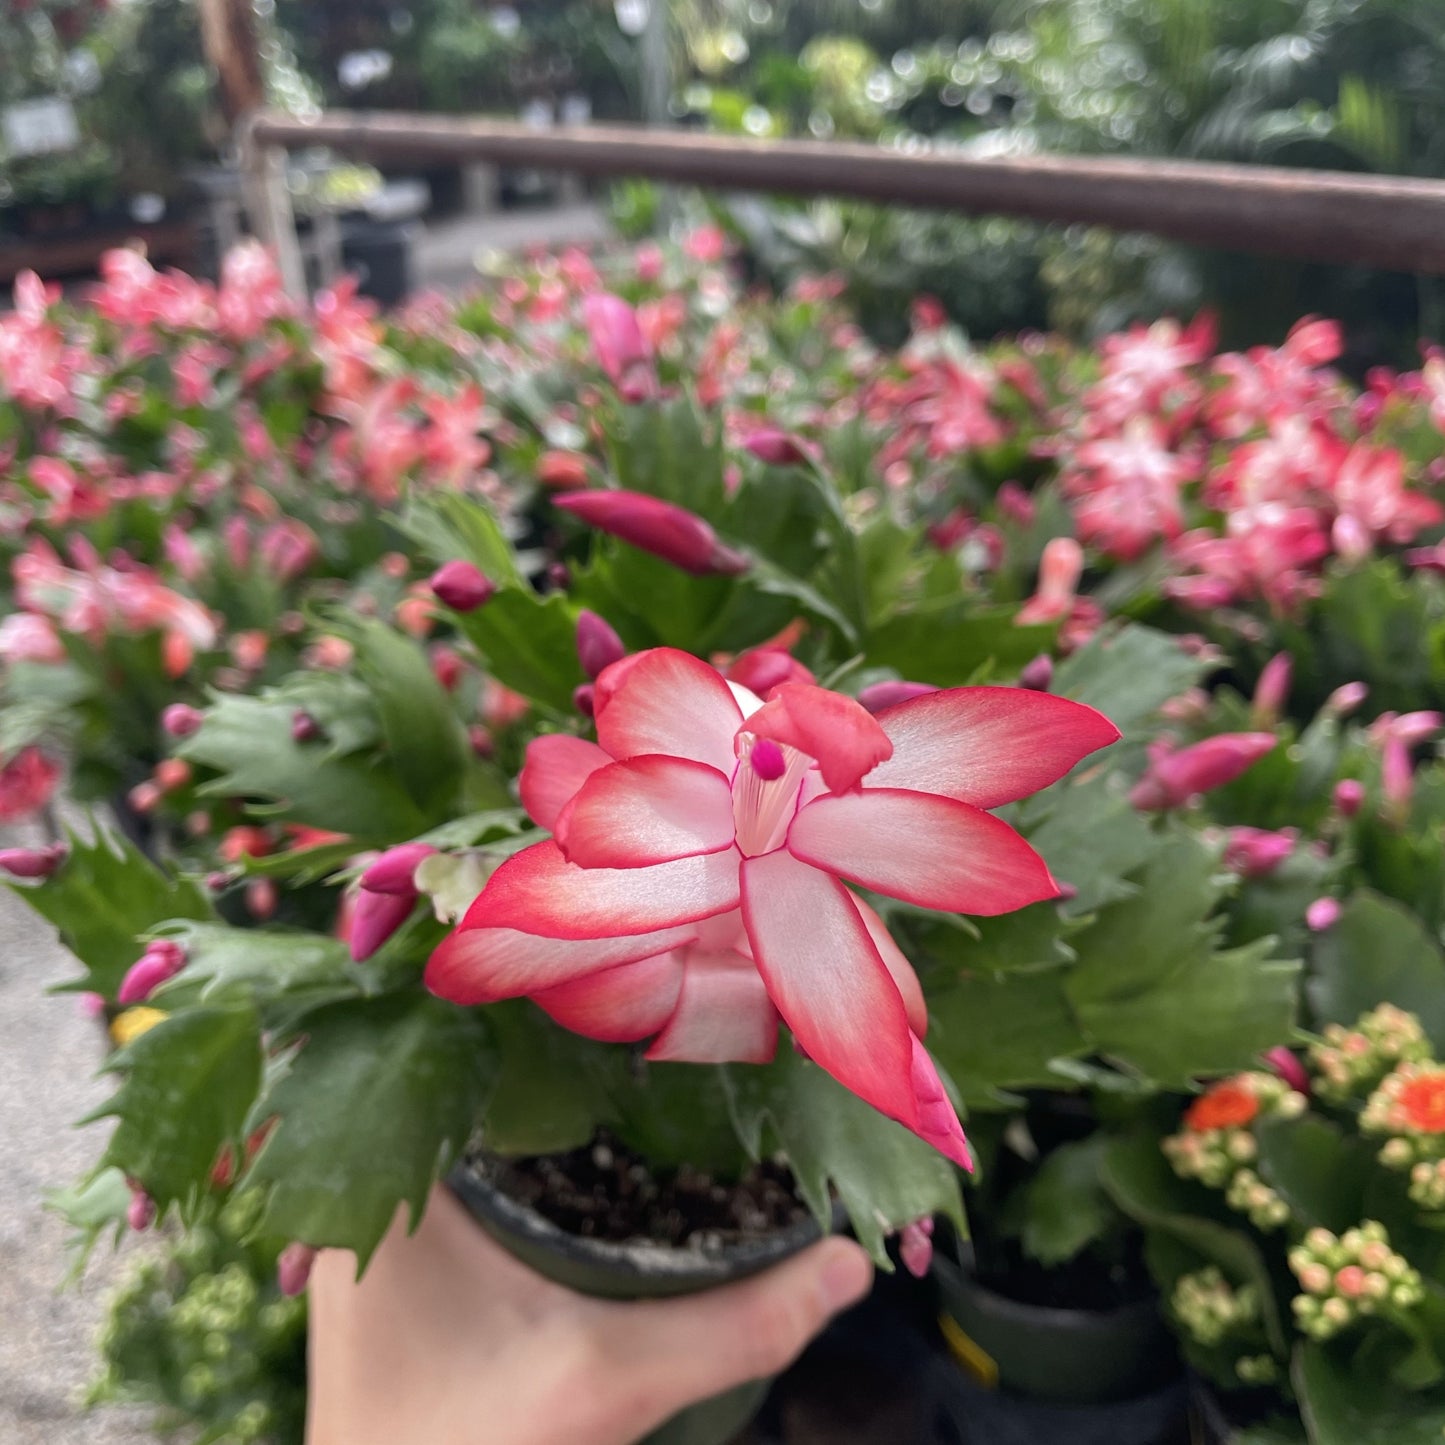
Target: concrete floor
column 49, row 1053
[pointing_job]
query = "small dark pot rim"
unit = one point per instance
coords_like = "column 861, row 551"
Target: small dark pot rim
column 1050, row 1317
column 652, row 1267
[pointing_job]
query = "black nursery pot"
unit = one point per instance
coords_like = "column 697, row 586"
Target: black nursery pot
column 634, row 1271
column 1067, row 1376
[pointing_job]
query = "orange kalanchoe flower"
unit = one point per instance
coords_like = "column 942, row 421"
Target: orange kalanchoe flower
column 1421, row 1103
column 1228, row 1105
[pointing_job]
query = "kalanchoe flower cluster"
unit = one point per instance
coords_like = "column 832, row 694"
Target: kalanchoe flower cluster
column 1409, row 1107
column 1349, row 1277
column 1349, row 1062
column 1215, row 1312
column 1217, row 1144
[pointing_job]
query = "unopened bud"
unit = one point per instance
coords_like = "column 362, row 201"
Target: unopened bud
column 293, row 1268
column 33, row 862
column 462, row 586
column 1038, row 675
column 598, row 645
column 180, row 719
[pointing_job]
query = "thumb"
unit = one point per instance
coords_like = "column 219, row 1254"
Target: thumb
column 704, row 1344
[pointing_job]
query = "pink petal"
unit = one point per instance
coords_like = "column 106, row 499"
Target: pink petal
column 557, row 765
column 618, row 1005
column 928, row 850
column 647, row 810
column 483, row 965
column 724, row 1015
column 538, row 891
column 897, row 965
column 837, row 731
column 937, row 1118
column 824, row 976
column 666, row 701
column 987, row 745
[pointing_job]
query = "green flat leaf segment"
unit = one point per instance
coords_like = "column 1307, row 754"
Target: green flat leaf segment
column 885, row 1175
column 103, row 899
column 376, row 1101
column 189, row 1085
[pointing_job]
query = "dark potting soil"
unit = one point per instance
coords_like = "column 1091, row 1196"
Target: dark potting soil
column 605, row 1192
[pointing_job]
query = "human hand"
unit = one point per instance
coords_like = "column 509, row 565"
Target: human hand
column 448, row 1340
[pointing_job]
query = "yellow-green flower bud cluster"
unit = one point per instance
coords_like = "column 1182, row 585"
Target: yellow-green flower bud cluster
column 1211, row 1309
column 1217, row 1145
column 1348, row 1063
column 1349, row 1277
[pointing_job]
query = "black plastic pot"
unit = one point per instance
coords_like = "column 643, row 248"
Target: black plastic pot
column 381, row 253
column 635, row 1271
column 1066, row 1376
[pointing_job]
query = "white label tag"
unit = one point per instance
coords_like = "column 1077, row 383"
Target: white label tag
column 40, row 127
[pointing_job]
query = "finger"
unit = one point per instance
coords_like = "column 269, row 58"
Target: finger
column 704, row 1344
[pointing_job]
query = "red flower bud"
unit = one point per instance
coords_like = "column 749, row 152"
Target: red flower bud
column 461, row 586
column 776, row 447
column 879, row 695
column 598, row 645
column 180, row 719
column 1286, row 1065
column 261, row 898
column 584, row 699
column 915, row 1246
column 1174, row 778
column 1038, row 674
column 172, row 773
column 140, row 1214
column 1349, row 796
column 562, row 471
column 305, row 728
column 672, row 533
column 161, row 961
column 1256, row 852
column 33, row 862
column 375, row 917
column 1323, row 913
column 1271, row 691
column 394, row 871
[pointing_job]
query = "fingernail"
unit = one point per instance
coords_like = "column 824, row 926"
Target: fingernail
column 846, row 1277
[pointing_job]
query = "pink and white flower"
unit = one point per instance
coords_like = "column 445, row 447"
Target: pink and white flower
column 693, row 889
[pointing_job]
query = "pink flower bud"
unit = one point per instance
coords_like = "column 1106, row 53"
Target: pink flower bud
column 1323, row 913
column 293, row 1268
column 144, row 797
column 236, row 533
column 1349, row 796
column 879, row 695
column 672, row 533
column 1397, row 778
column 481, row 741
column 915, row 1246
column 1257, row 852
column 305, row 728
column 461, row 586
column 584, row 699
column 619, row 345
column 1060, row 568
column 171, row 774
column 140, row 1214
column 598, row 645
column 160, row 962
column 1345, row 699
column 1272, row 691
column 1016, row 504
column 287, row 548
column 394, row 871
column 446, row 666
column 33, row 862
column 375, row 917
column 1285, row 1064
column 261, row 898
column 1174, row 778
column 1038, row 674
column 1350, row 1281
column 92, row 1005
column 180, row 720
column 775, row 447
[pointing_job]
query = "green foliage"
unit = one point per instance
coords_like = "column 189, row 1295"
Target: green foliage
column 188, row 1085
column 1378, row 952
column 105, row 896
column 380, row 1093
column 884, row 1175
column 1063, row 1208
column 1351, row 1402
